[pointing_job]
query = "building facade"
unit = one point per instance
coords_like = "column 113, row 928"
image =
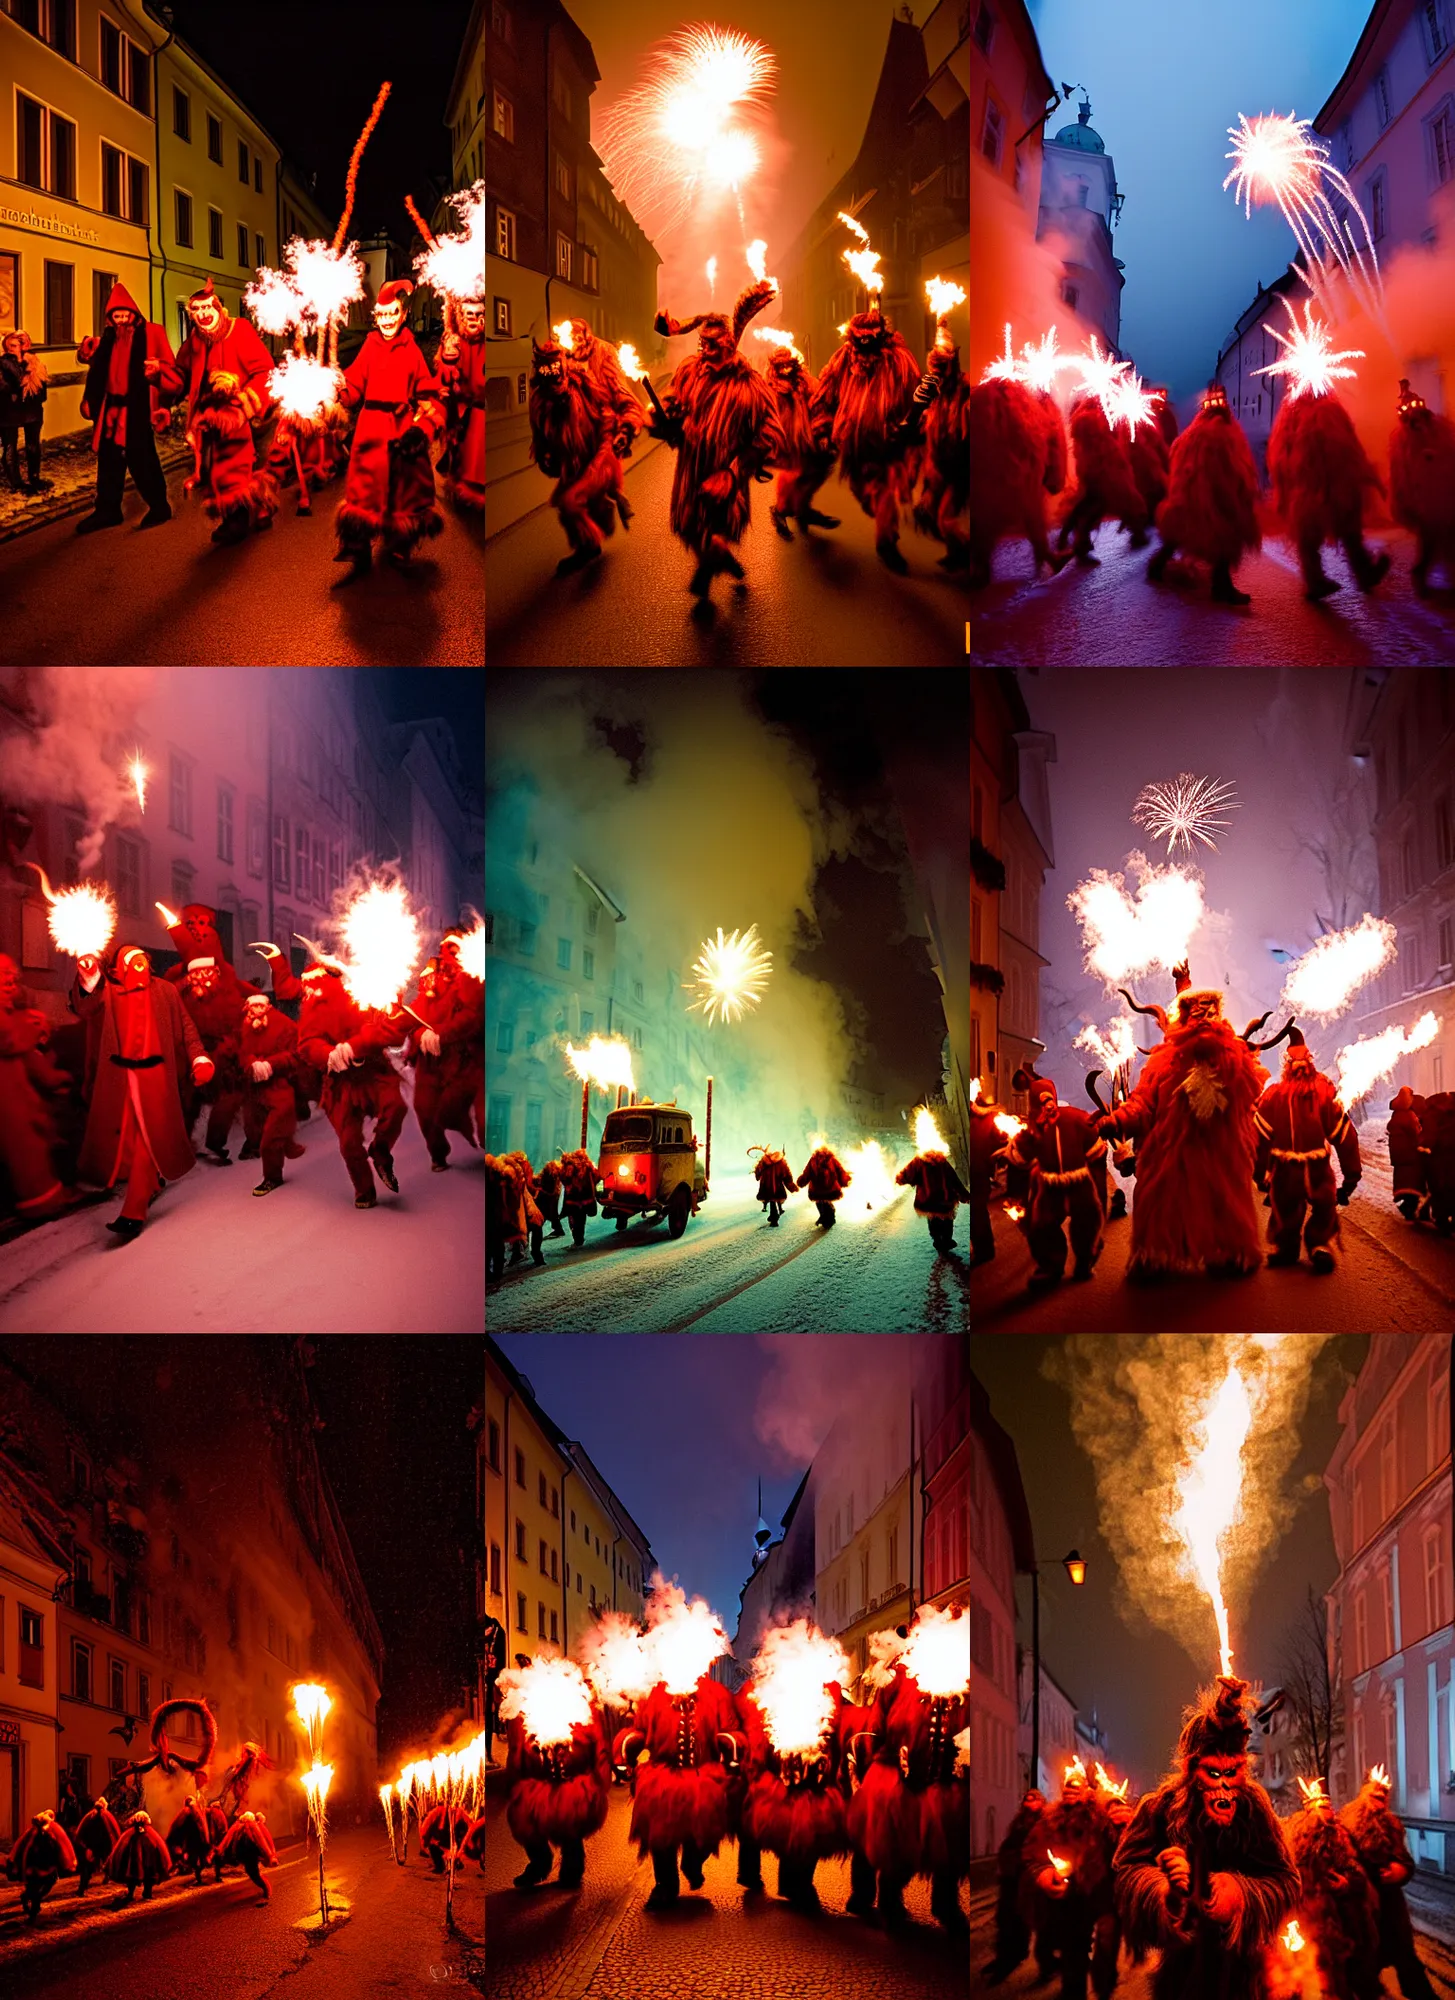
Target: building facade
column 1403, row 729
column 465, row 105
column 1000, row 1545
column 1080, row 207
column 940, row 149
column 1062, row 1737
column 1390, row 1636
column 33, row 1571
column 781, row 1586
column 944, row 1476
column 559, row 1544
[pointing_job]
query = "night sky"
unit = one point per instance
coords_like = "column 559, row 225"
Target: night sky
column 1135, row 1675
column 411, row 693
column 402, row 1466
column 310, row 71
column 1165, row 84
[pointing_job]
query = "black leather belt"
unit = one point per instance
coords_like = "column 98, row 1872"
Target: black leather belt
column 136, row 1062
column 389, row 408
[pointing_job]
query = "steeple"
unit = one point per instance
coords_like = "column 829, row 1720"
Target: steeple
column 762, row 1534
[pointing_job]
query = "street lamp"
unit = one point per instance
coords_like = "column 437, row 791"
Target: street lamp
column 1074, row 1565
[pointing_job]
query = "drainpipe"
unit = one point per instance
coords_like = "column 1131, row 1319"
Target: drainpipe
column 565, row 1587
column 509, row 1620
column 165, row 14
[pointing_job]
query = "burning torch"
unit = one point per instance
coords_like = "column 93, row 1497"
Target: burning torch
column 82, row 920
column 311, row 1703
column 635, row 369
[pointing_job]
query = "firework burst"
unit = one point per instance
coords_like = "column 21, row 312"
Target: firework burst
column 1279, row 160
column 1307, row 360
column 1184, row 810
column 731, row 973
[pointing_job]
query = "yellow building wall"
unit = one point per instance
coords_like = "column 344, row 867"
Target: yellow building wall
column 512, row 1504
column 590, row 1532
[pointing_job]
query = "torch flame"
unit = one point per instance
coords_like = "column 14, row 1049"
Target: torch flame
column 169, row 917
column 1116, row 1048
column 1324, row 981
column 683, row 1639
column 1209, row 1489
column 780, row 337
column 865, row 266
column 1361, row 1064
column 1315, row 1790
column 1125, row 935
column 927, row 1136
column 731, row 974
column 1075, row 1769
column 380, row 944
column 1014, row 1212
column 962, row 1749
column 858, row 228
column 1062, row 1868
column 1108, row 1786
column 873, row 1179
column 937, row 1652
column 791, row 1677
column 616, row 1660
column 82, row 921
column 604, row 1063
column 562, row 331
column 631, row 363
column 974, row 1090
column 712, row 275
column 1293, row 1939
column 1377, row 1775
column 138, row 772
column 311, row 1703
column 943, row 296
column 551, row 1698
column 472, row 952
column 1007, row 1123
column 756, row 254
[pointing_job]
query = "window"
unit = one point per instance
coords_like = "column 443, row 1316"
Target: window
column 638, row 993
column 255, row 837
column 561, row 93
column 526, row 940
column 136, row 191
column 257, row 173
column 9, row 290
column 45, row 148
column 520, row 1611
column 588, row 965
column 502, row 317
column 300, row 861
column 30, row 142
column 242, row 246
column 214, row 233
column 111, row 55
column 588, row 270
column 564, row 247
column 492, row 1444
column 555, row 1575
column 1381, row 98
column 335, row 866
column 495, row 1569
column 505, row 1038
column 1442, row 141
column 184, row 218
column 563, row 954
column 280, row 851
column 588, row 1022
column 540, row 1618
column 224, row 822
column 1069, row 294
column 242, row 162
column 144, row 1631
column 500, row 21
column 519, row 1467
column 541, row 1491
column 214, row 138
column 260, row 249
column 573, row 1520
column 179, row 815
column 520, row 1541
column 555, row 1631
column 1436, row 30
column 1446, row 957
column 118, row 1686
column 181, row 114
column 319, row 872
column 503, row 117
column 1407, row 863
column 32, row 1647
column 1437, row 1598
column 138, row 79
column 992, row 132
column 984, row 30
column 1378, row 204
column 143, row 1694
column 578, row 1583
column 505, row 234
column 60, row 304
column 80, row 1670
column 111, row 184
column 555, row 1503
column 563, row 177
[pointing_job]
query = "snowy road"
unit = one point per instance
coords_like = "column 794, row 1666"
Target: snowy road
column 731, row 1273
column 212, row 1259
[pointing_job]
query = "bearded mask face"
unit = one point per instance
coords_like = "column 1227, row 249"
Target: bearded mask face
column 1219, row 1782
column 1215, row 403
column 198, row 927
column 715, row 342
column 255, row 1014
column 1198, row 1008
column 548, row 369
column 202, row 979
column 121, row 316
column 472, row 315
column 389, row 318
column 868, row 333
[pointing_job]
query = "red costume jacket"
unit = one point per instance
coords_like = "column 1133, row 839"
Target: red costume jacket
column 825, row 1176
column 774, row 1177
column 909, row 1816
column 140, row 1858
column 390, row 383
column 682, row 1794
column 98, row 1833
column 233, row 349
column 220, row 422
column 249, row 1838
column 335, row 1019
column 795, row 1806
column 557, row 1792
column 1408, row 1155
column 121, row 1022
column 1300, row 1124
column 578, row 1181
column 462, row 383
column 118, row 393
column 276, row 1044
column 938, row 1189
column 41, row 1850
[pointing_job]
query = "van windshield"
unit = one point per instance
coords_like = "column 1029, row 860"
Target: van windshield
column 628, row 1130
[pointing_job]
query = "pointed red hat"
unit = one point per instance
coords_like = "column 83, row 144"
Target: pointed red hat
column 121, row 300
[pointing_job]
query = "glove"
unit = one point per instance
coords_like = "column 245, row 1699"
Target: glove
column 262, row 1071
column 413, row 444
column 268, row 950
column 429, row 1041
column 340, row 1057
column 621, row 444
column 223, row 382
column 926, row 389
column 1175, row 1866
column 203, row 1069
column 1346, row 1188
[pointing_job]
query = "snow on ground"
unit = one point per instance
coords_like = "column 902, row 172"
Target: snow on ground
column 213, row 1259
column 874, row 1272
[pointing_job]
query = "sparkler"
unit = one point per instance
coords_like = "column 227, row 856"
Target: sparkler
column 82, row 920
column 138, row 774
column 712, row 277
column 311, row 1704
column 683, row 128
column 1362, row 1064
column 731, row 975
column 1116, row 1049
column 683, row 1639
column 1005, row 367
column 455, row 265
column 1041, row 363
column 1100, row 375
column 791, row 1677
column 1131, row 403
column 386, row 1799
column 380, row 944
column 1185, row 809
column 616, row 1660
column 1278, row 159
column 1324, row 981
column 1312, row 1791
column 603, row 1063
column 1308, row 361
column 1209, row 1489
column 1127, row 935
column 927, row 1136
column 303, row 387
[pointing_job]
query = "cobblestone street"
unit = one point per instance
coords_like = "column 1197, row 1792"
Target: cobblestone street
column 719, row 1944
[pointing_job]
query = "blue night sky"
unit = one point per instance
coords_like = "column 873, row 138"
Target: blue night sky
column 1164, row 87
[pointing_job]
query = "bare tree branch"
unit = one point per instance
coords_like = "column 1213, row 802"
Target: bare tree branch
column 1313, row 1697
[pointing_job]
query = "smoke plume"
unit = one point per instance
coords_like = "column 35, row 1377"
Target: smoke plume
column 1135, row 1405
column 1014, row 277
column 77, row 756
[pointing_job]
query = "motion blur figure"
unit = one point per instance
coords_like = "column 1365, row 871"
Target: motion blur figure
column 1337, row 1908
column 775, row 1182
column 28, row 1079
column 825, row 1176
column 1379, row 1840
column 1066, row 1162
column 250, row 1845
column 1422, row 485
column 572, row 432
column 1408, row 1156
column 558, row 1798
column 1106, row 486
column 802, row 465
column 1017, row 456
column 95, row 1837
column 1298, row 1119
column 1321, row 476
column 864, row 394
column 938, row 1192
column 38, row 1859
column 140, row 1859
column 1211, row 507
column 942, row 402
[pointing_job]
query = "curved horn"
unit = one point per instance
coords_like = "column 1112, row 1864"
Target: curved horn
column 1094, row 1094
column 1274, row 1040
column 1159, row 1014
column 1145, row 1052
column 1254, row 1025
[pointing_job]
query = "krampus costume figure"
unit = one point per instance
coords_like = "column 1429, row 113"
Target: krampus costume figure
column 1066, row 1158
column 268, row 1059
column 225, row 369
column 1106, row 486
column 1191, row 1114
column 189, row 1839
column 987, row 1145
column 1204, row 1873
column 140, row 1859
column 1320, row 474
column 691, row 1736
column 390, row 489
column 578, row 1191
column 461, row 371
column 95, row 1837
column 775, row 1183
column 1211, row 508
column 27, row 1126
column 825, row 1176
column 530, row 1222
column 938, row 1192
column 1338, row 1911
column 944, row 495
column 1147, row 451
column 572, row 429
column 348, row 1045
column 448, row 1051
column 130, row 377
column 548, row 1195
column 23, row 390
column 441, row 1825
column 864, row 394
column 1437, row 1123
column 1422, row 484
column 1408, row 1157
column 1297, row 1120
column 603, row 364
column 1013, row 1886
column 723, row 423
column 558, row 1792
column 802, row 465
column 1014, row 463
column 1074, row 1910
column 42, row 1854
column 214, row 1004
column 250, row 1845
column 1379, row 1840
column 795, row 1807
column 140, row 1043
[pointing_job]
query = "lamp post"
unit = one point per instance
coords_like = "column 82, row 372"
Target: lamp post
column 1074, row 1565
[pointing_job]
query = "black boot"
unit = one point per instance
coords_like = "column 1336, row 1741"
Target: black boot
column 573, row 1864
column 692, row 1860
column 537, row 1868
column 861, row 1888
column 384, row 1167
column 667, row 1890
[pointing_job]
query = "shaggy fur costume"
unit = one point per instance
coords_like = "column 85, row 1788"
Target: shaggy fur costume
column 1014, row 1882
column 802, row 465
column 1106, row 485
column 729, row 430
column 557, row 1794
column 1012, row 454
column 945, row 487
column 1422, row 488
column 1337, row 1909
column 1320, row 474
column 682, row 1792
column 189, row 1840
column 1379, row 1840
column 802, row 1823
column 603, row 364
column 909, row 1816
column 220, row 420
column 865, row 392
column 140, row 1858
column 1297, row 1120
column 1057, row 447
column 1148, row 453
column 1192, row 1116
column 1067, row 1162
column 571, row 431
column 1406, row 1155
column 825, row 1175
column 1211, row 508
column 40, row 1856
column 1080, row 1926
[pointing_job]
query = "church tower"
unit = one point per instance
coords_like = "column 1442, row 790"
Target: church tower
column 1080, row 206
